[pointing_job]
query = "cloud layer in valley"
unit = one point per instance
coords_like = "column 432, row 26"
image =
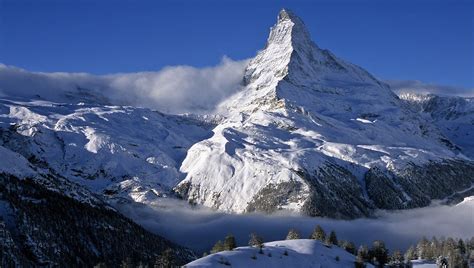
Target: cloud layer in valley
column 176, row 89
column 200, row 228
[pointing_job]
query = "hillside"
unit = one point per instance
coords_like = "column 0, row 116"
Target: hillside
column 286, row 253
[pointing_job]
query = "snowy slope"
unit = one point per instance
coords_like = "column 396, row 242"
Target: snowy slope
column 300, row 253
column 119, row 151
column 454, row 116
column 46, row 220
column 313, row 133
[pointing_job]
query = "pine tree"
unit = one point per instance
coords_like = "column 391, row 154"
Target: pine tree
column 166, row 259
column 471, row 243
column 362, row 255
column 410, row 254
column 229, row 242
column 255, row 240
column 379, row 252
column 455, row 259
column 318, row 234
column 218, row 247
column 292, row 234
column 349, row 247
column 397, row 257
column 422, row 248
column 461, row 247
column 332, row 239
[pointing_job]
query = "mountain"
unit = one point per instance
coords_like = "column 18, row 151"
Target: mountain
column 453, row 115
column 120, row 151
column 315, row 134
column 286, row 253
column 64, row 165
column 48, row 221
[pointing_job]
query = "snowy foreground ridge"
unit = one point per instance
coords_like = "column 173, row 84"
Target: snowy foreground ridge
column 313, row 133
column 286, row 253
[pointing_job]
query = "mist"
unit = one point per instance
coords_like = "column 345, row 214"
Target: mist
column 199, row 228
column 173, row 89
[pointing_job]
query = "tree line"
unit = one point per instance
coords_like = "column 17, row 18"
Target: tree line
column 446, row 252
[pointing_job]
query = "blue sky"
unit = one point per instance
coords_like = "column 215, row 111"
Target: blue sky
column 431, row 41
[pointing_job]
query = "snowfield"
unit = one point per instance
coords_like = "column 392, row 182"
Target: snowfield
column 299, row 253
column 119, row 151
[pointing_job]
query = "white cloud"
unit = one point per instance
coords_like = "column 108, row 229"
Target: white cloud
column 176, row 89
column 200, row 228
column 415, row 86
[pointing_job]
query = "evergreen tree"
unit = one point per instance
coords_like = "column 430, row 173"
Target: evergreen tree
column 292, row 234
column 318, row 234
column 423, row 248
column 349, row 247
column 410, row 254
column 362, row 256
column 218, row 247
column 379, row 252
column 461, row 247
column 229, row 242
column 166, row 259
column 455, row 259
column 397, row 258
column 255, row 240
column 471, row 243
column 449, row 246
column 332, row 239
column 363, row 252
column 435, row 248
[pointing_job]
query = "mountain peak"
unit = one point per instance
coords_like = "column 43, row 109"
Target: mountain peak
column 290, row 57
column 290, row 29
column 286, row 14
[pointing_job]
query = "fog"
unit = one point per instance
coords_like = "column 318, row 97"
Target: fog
column 199, row 228
column 173, row 89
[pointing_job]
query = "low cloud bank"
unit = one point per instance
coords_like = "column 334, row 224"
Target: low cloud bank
column 176, row 89
column 200, row 228
column 415, row 86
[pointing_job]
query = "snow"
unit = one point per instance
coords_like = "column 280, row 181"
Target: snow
column 132, row 153
column 301, row 253
column 454, row 116
column 303, row 108
column 14, row 164
column 423, row 264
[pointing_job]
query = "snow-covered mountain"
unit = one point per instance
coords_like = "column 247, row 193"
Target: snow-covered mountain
column 48, row 221
column 309, row 132
column 454, row 116
column 313, row 133
column 286, row 253
column 119, row 151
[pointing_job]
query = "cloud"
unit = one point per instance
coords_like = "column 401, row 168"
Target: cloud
column 176, row 89
column 200, row 228
column 415, row 86
column 181, row 88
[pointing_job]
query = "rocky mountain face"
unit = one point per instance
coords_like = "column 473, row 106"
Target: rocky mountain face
column 48, row 221
column 454, row 116
column 315, row 134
